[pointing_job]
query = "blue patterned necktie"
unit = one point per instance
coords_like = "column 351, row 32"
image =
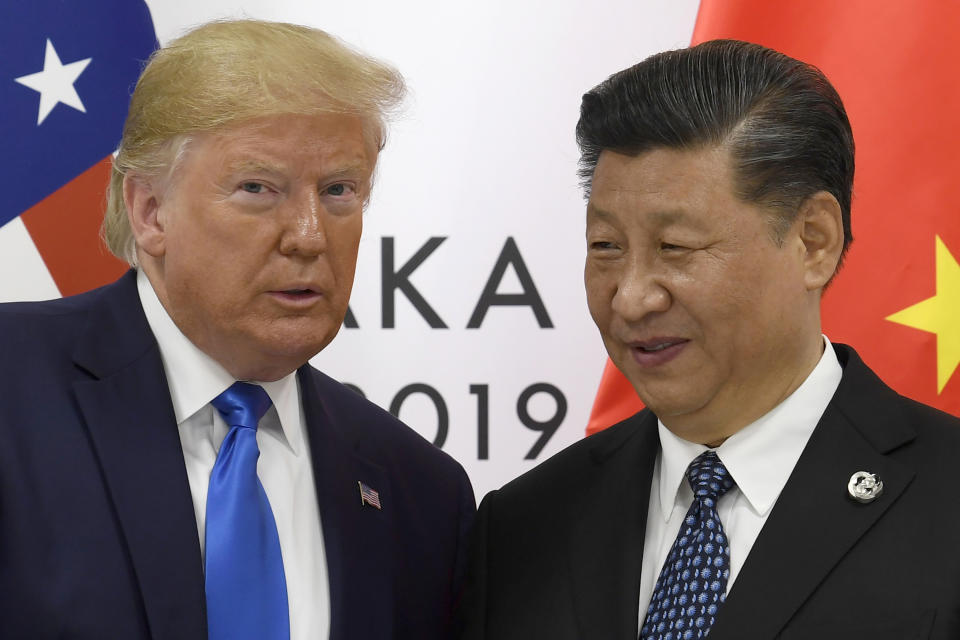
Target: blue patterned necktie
column 246, row 588
column 693, row 582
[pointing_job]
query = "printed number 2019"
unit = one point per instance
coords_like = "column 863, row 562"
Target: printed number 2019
column 546, row 428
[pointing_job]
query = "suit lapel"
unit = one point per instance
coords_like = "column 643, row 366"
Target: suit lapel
column 815, row 522
column 127, row 410
column 609, row 513
column 358, row 538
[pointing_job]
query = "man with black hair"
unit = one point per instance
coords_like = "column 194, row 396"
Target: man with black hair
column 774, row 487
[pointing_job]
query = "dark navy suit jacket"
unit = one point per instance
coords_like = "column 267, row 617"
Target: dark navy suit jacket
column 98, row 539
column 558, row 551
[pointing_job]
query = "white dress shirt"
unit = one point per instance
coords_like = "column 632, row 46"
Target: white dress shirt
column 760, row 458
column 285, row 466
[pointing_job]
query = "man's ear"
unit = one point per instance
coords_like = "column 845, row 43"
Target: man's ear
column 141, row 196
column 821, row 231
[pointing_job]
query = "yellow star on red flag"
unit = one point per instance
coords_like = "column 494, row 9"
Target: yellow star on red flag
column 940, row 314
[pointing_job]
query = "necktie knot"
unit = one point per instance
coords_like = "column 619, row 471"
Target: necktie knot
column 242, row 404
column 708, row 478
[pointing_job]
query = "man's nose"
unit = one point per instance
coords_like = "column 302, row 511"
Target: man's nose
column 303, row 225
column 641, row 290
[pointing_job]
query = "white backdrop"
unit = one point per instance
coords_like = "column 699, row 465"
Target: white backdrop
column 483, row 153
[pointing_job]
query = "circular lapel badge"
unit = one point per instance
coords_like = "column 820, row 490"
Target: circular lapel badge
column 864, row 486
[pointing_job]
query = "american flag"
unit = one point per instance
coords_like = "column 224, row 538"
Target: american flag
column 66, row 73
column 369, row 496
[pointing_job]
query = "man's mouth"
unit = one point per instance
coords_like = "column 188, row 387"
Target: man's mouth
column 655, row 347
column 297, row 295
column 656, row 351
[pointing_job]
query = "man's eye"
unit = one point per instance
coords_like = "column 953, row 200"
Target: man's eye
column 252, row 187
column 666, row 246
column 338, row 189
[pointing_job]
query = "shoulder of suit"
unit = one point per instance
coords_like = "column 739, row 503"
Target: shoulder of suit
column 14, row 311
column 379, row 434
column 45, row 324
column 42, row 311
column 567, row 468
column 932, row 421
column 867, row 399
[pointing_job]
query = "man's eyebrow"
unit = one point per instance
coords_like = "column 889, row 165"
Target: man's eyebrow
column 661, row 218
column 260, row 166
column 673, row 216
column 348, row 169
column 254, row 166
column 596, row 213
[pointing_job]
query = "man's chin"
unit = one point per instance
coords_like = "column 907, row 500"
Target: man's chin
column 668, row 403
column 294, row 357
column 657, row 393
column 273, row 359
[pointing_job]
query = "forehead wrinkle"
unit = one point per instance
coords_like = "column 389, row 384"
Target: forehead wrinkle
column 666, row 218
column 245, row 164
column 659, row 218
column 239, row 150
column 255, row 148
column 253, row 165
column 350, row 168
column 599, row 214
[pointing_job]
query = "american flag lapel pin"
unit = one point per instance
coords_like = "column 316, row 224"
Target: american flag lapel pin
column 369, row 496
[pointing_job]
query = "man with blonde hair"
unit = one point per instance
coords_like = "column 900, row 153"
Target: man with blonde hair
column 172, row 466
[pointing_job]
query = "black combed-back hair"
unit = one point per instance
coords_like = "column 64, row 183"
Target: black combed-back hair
column 782, row 121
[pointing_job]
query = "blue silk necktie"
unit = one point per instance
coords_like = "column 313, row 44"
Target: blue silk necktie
column 246, row 587
column 693, row 582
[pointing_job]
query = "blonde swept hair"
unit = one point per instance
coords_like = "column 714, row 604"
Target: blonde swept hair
column 223, row 73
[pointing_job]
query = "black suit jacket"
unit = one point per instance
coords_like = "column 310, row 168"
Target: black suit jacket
column 98, row 539
column 557, row 553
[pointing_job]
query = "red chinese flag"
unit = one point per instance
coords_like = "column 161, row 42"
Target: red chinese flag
column 897, row 298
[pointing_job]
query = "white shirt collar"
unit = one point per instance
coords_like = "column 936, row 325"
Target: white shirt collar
column 761, row 456
column 195, row 378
